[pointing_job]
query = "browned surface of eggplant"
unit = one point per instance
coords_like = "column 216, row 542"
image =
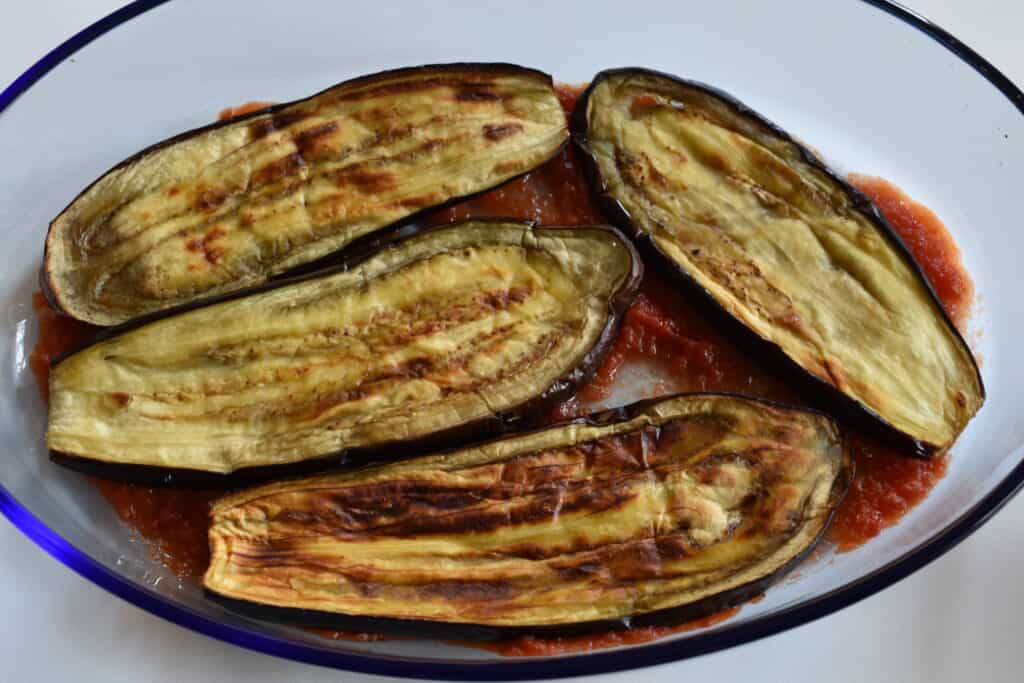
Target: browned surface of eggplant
column 678, row 506
column 458, row 331
column 229, row 206
column 758, row 225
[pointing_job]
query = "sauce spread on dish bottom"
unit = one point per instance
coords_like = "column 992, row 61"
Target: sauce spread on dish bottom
column 538, row 646
column 662, row 328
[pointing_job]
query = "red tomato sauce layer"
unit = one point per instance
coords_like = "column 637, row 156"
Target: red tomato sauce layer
column 539, row 646
column 662, row 328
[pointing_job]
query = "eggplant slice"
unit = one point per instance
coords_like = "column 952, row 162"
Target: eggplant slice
column 229, row 206
column 460, row 331
column 669, row 507
column 780, row 243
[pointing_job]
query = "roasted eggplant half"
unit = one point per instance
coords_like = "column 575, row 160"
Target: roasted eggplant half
column 670, row 507
column 232, row 205
column 757, row 223
column 456, row 332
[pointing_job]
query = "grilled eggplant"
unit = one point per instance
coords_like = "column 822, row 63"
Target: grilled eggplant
column 664, row 509
column 782, row 244
column 229, row 206
column 456, row 332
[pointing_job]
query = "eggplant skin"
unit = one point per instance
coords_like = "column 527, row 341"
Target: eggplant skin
column 229, row 206
column 669, row 507
column 755, row 223
column 456, row 333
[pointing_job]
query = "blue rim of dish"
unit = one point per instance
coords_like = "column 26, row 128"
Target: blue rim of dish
column 516, row 669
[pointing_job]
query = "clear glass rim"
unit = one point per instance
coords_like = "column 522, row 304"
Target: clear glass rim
column 526, row 668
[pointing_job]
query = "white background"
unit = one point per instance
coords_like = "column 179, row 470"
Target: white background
column 957, row 620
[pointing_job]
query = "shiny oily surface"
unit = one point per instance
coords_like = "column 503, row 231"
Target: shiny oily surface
column 442, row 330
column 781, row 246
column 968, row 180
column 675, row 503
column 229, row 206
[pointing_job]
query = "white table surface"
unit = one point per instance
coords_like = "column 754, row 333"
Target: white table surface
column 956, row 620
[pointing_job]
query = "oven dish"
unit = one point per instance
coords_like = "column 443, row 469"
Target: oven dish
column 669, row 341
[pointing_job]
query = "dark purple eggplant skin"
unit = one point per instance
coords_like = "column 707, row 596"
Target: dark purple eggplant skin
column 771, row 353
column 46, row 282
column 529, row 415
column 479, row 632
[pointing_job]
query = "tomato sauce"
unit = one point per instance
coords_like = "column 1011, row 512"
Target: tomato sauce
column 174, row 521
column 57, row 334
column 539, row 646
column 242, row 109
column 662, row 328
column 665, row 327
